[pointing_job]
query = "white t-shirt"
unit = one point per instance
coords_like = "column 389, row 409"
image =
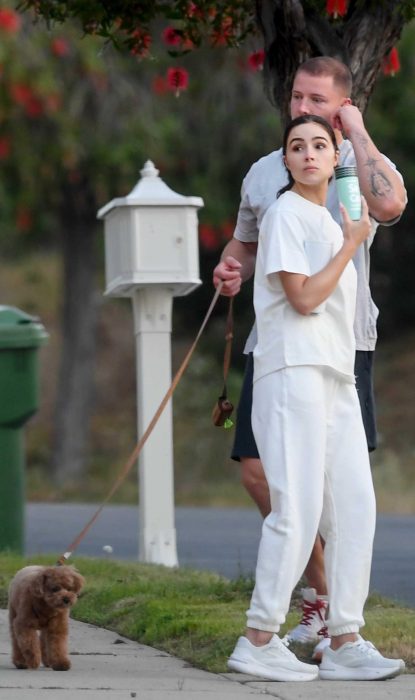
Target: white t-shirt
column 299, row 236
column 259, row 190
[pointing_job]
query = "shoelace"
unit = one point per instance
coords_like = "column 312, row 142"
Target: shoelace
column 310, row 609
column 283, row 647
column 367, row 647
column 323, row 632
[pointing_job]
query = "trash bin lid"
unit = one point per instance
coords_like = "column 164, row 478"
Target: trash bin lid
column 20, row 330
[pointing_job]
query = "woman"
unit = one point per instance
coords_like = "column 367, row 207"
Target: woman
column 307, row 420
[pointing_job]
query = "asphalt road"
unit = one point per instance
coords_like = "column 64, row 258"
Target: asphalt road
column 224, row 540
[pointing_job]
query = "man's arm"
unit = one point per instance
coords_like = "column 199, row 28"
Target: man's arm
column 237, row 264
column 380, row 184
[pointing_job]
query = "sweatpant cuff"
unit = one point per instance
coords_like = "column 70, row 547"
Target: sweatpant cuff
column 256, row 624
column 345, row 629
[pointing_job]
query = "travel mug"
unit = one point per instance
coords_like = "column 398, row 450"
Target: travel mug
column 348, row 190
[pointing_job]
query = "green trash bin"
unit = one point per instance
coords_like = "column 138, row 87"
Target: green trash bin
column 20, row 337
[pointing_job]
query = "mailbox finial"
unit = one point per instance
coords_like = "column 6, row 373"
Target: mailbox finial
column 149, row 170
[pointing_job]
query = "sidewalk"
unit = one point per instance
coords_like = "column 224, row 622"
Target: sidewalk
column 106, row 666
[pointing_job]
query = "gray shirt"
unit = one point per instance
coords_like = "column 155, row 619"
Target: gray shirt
column 259, row 190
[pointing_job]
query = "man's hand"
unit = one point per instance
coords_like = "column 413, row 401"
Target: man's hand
column 379, row 182
column 228, row 271
column 347, row 119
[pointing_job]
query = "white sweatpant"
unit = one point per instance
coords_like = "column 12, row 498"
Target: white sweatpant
column 309, row 432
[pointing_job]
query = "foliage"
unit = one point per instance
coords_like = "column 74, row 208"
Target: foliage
column 197, row 615
column 128, row 23
column 390, row 119
column 77, row 117
column 362, row 34
column 79, row 121
column 52, row 96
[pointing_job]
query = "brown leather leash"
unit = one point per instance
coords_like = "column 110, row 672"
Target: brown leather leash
column 228, row 346
column 139, row 446
column 222, row 410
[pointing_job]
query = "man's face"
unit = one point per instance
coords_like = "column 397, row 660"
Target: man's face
column 316, row 94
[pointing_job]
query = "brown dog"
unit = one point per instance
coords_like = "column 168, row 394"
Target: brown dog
column 39, row 601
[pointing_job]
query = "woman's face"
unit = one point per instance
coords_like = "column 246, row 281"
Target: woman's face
column 310, row 154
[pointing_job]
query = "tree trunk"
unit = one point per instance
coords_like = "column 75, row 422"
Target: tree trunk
column 293, row 33
column 76, row 384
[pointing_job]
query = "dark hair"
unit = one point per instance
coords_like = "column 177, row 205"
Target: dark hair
column 326, row 65
column 304, row 119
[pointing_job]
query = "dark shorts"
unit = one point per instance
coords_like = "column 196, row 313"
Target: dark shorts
column 244, row 444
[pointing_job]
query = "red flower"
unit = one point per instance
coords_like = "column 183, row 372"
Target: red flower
column 256, row 60
column 391, row 63
column 224, row 35
column 336, row 8
column 21, row 94
column 194, row 11
column 209, row 237
column 142, row 43
column 60, row 47
column 177, row 79
column 187, row 43
column 34, row 107
column 4, row 148
column 9, row 20
column 171, row 36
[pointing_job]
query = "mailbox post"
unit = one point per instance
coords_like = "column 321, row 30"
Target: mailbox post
column 151, row 255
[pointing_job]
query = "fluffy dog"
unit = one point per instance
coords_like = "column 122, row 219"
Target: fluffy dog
column 39, row 601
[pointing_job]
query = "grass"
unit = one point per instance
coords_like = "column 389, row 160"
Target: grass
column 196, row 615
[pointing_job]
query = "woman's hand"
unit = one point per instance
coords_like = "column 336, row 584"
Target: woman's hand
column 355, row 232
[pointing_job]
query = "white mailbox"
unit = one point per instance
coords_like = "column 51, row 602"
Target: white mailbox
column 152, row 255
column 151, row 237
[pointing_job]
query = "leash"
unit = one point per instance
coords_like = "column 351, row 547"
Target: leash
column 222, row 411
column 139, row 446
column 228, row 347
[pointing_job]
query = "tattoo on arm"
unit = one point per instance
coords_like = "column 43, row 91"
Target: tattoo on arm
column 380, row 185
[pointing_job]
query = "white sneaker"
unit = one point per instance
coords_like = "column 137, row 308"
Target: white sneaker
column 313, row 619
column 272, row 661
column 358, row 661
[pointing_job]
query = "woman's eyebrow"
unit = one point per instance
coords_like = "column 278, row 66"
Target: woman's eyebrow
column 314, row 138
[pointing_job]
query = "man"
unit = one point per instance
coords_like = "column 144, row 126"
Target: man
column 322, row 86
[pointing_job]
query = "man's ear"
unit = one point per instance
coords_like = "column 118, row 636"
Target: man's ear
column 347, row 101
